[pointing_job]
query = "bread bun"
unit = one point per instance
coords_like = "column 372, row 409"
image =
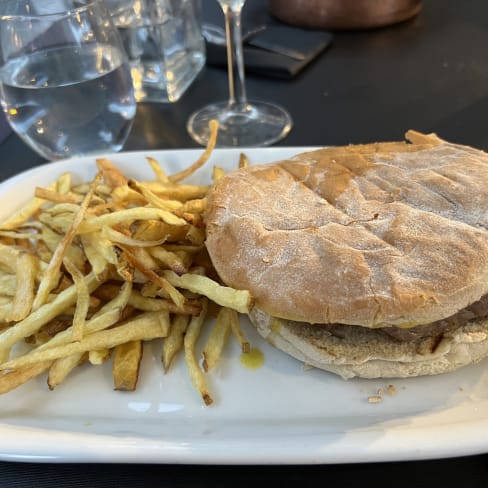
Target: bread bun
column 372, row 235
column 368, row 353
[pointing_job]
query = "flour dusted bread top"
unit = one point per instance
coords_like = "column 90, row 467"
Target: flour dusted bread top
column 373, row 235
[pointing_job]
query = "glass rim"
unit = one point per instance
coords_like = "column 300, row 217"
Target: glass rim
column 61, row 13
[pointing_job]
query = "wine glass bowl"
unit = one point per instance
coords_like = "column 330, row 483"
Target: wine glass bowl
column 256, row 123
column 242, row 122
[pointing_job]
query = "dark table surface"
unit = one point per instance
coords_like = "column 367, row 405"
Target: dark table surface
column 430, row 74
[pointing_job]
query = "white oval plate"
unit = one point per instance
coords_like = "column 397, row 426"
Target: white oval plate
column 279, row 413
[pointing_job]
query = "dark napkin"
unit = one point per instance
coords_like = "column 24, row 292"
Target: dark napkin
column 279, row 51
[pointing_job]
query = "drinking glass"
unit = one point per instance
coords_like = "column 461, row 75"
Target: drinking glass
column 242, row 122
column 65, row 84
column 164, row 44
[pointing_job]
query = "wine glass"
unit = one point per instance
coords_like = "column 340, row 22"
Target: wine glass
column 65, row 84
column 242, row 122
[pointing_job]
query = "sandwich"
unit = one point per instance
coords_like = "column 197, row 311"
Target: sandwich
column 364, row 260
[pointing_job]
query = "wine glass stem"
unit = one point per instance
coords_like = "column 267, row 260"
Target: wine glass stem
column 235, row 58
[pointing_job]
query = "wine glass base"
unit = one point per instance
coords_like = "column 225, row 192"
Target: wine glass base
column 254, row 124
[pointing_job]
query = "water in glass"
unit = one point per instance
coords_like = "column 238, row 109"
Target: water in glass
column 69, row 99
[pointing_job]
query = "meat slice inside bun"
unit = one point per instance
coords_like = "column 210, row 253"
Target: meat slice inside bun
column 365, row 260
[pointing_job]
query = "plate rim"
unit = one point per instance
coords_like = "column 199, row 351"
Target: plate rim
column 32, row 444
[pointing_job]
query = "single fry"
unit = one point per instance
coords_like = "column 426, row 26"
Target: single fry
column 111, row 174
column 196, row 220
column 169, row 259
column 152, row 198
column 217, row 339
column 212, row 140
column 25, row 213
column 62, row 208
column 125, row 366
column 196, row 235
column 196, row 375
column 13, row 379
column 179, row 192
column 154, row 230
column 217, row 174
column 239, row 300
column 238, row 332
column 147, row 304
column 120, row 238
column 158, row 171
column 126, row 196
column 99, row 250
column 56, row 197
column 61, row 368
column 174, row 342
column 243, row 161
column 64, row 183
column 82, row 300
column 142, row 255
column 129, row 215
column 99, row 356
column 97, row 261
column 197, row 205
column 19, row 235
column 25, row 287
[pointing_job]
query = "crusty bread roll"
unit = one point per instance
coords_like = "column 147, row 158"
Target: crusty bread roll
column 373, row 235
column 376, row 235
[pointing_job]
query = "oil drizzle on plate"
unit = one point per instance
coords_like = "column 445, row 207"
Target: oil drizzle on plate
column 253, row 359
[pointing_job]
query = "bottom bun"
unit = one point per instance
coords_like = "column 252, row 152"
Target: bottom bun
column 370, row 353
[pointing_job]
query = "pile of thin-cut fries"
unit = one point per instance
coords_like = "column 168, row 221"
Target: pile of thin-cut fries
column 90, row 271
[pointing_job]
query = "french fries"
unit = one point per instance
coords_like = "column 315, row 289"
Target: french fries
column 26, row 268
column 126, row 364
column 191, row 337
column 91, row 272
column 174, row 342
column 60, row 369
column 14, row 379
column 239, row 300
column 216, row 340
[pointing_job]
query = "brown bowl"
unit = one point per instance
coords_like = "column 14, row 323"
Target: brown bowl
column 343, row 14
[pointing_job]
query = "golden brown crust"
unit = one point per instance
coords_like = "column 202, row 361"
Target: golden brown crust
column 376, row 234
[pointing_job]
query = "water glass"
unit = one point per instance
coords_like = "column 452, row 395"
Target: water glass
column 65, row 83
column 164, row 43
